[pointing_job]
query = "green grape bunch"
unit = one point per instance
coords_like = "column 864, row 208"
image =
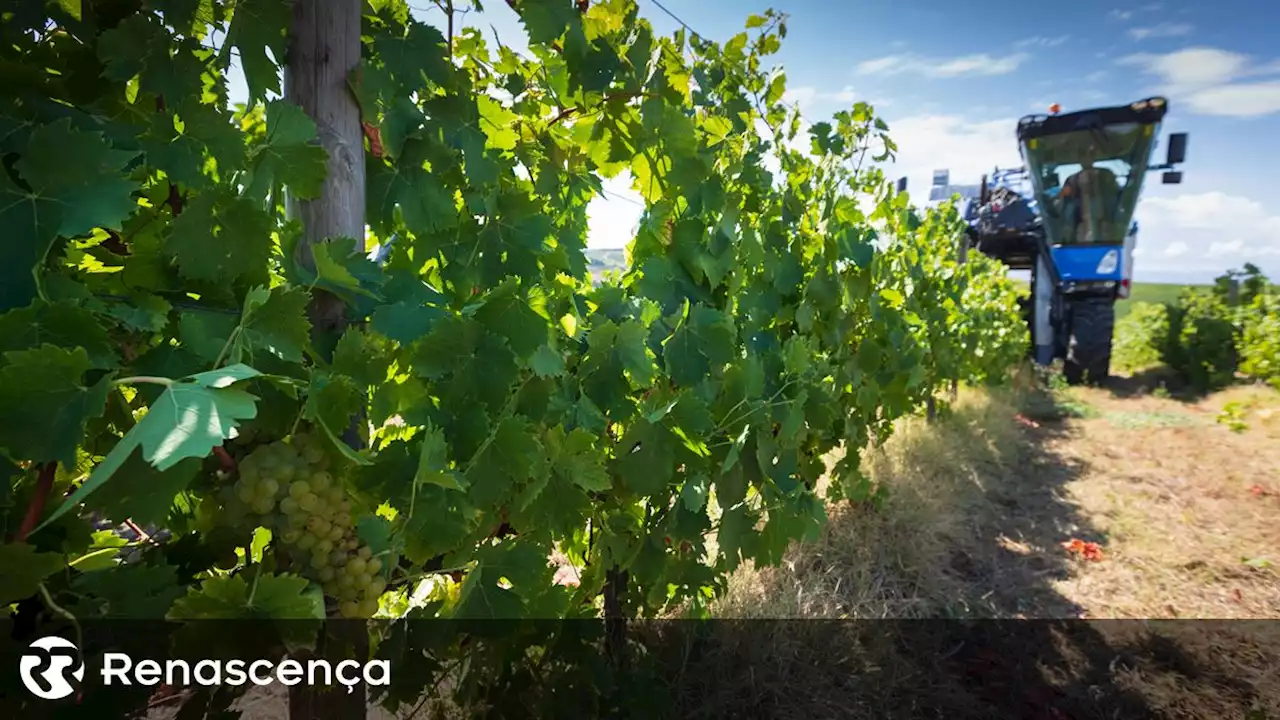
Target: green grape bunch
column 288, row 487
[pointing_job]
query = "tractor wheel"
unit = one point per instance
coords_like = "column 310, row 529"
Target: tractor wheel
column 1089, row 352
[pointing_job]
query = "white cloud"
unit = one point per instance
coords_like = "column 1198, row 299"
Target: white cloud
column 1206, row 233
column 1123, row 15
column 936, row 142
column 1041, row 41
column 1209, row 80
column 1161, row 30
column 976, row 64
column 1219, row 249
column 612, row 219
column 1192, row 67
column 1239, row 100
column 806, row 97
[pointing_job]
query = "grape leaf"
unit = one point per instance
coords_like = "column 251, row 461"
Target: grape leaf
column 81, row 174
column 140, row 491
column 512, row 457
column 143, row 313
column 221, row 238
column 259, row 543
column 634, row 355
column 289, row 155
column 277, row 597
column 23, row 569
column 420, row 55
column 135, row 46
column 63, row 324
column 189, row 419
column 44, row 404
column 205, row 334
column 206, row 134
column 520, row 564
column 102, row 552
column 577, row 459
column 273, row 320
column 363, row 357
column 186, row 15
column 259, row 26
column 547, row 362
column 142, row 592
column 441, row 521
column 73, row 184
column 703, row 340
column 511, row 317
column 433, row 462
column 405, row 322
column 375, row 532
column 338, row 268
column 547, row 21
column 646, row 458
column 500, row 125
column 333, row 400
column 694, row 493
column 425, row 205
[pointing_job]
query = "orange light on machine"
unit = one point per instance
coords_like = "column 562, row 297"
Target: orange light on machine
column 1055, row 108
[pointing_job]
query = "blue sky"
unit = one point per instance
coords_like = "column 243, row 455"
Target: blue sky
column 952, row 81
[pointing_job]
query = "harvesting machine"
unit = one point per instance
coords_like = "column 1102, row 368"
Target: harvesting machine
column 1067, row 216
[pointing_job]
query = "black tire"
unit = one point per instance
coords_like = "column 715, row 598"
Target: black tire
column 1089, row 351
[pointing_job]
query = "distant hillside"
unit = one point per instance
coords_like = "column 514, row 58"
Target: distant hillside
column 602, row 260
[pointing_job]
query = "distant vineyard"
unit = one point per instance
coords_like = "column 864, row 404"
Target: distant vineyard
column 1208, row 336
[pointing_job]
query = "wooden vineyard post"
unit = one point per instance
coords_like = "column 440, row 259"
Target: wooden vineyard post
column 324, row 47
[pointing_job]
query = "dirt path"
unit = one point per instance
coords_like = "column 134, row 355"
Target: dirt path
column 1185, row 511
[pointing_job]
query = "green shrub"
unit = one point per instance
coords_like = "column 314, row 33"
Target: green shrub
column 1206, row 335
column 1201, row 343
column 1260, row 340
column 1141, row 337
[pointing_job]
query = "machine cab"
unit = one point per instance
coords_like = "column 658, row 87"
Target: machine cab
column 1086, row 170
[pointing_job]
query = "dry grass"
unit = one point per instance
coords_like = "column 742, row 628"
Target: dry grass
column 876, row 562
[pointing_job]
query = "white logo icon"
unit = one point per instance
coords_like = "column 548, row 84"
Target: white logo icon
column 47, row 663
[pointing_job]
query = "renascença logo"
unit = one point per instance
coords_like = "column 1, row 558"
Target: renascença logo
column 46, row 665
column 49, row 662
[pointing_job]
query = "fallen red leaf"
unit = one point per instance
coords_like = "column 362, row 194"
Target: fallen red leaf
column 1024, row 420
column 1088, row 550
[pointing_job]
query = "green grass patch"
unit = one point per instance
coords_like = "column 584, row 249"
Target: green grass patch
column 1138, row 420
column 1150, row 293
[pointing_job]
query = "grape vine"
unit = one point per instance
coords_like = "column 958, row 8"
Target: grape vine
column 651, row 433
